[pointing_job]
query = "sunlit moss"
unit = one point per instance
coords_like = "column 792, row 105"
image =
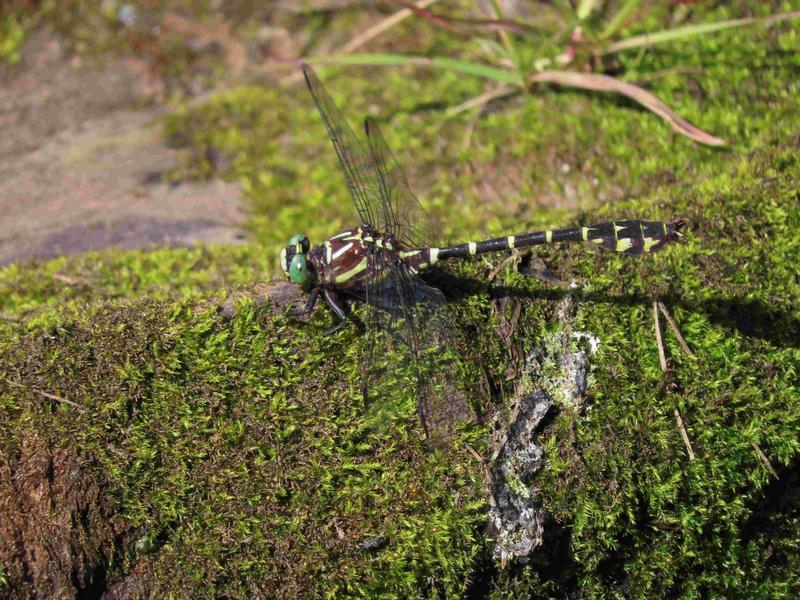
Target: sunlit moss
column 241, row 445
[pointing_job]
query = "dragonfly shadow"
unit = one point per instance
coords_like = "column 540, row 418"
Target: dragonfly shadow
column 749, row 317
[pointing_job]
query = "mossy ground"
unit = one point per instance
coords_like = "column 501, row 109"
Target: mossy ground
column 238, row 449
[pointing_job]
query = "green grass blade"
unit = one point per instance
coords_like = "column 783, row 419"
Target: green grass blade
column 586, row 8
column 507, row 40
column 668, row 35
column 439, row 62
column 619, row 19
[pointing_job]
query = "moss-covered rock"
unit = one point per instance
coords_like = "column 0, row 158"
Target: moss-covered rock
column 237, row 448
column 223, row 449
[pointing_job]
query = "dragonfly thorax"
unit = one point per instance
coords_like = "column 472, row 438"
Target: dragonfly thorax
column 345, row 260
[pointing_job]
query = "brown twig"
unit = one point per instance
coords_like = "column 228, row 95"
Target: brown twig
column 365, row 36
column 433, row 18
column 486, row 468
column 469, row 131
column 462, row 25
column 484, row 98
column 764, row 459
column 597, row 82
column 475, row 454
column 675, row 329
column 661, row 356
column 684, row 434
column 47, row 395
column 69, row 279
column 663, row 360
column 382, row 26
column 504, row 439
column 514, row 256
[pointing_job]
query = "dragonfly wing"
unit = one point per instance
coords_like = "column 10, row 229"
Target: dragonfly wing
column 401, row 213
column 409, row 345
column 355, row 158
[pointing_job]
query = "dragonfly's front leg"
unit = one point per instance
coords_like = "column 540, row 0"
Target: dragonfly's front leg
column 310, row 303
column 332, row 300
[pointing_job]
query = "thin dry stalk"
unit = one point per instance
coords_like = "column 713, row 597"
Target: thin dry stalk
column 684, row 434
column 663, row 360
column 604, row 83
column 484, row 98
column 382, row 26
column 47, row 395
column 514, row 256
column 504, row 439
column 469, row 130
column 474, row 453
column 675, row 329
column 484, row 466
column 69, row 279
column 445, row 23
column 661, row 356
column 765, row 460
column 365, row 36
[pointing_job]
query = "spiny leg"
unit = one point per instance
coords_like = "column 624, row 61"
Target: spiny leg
column 331, row 299
column 310, row 303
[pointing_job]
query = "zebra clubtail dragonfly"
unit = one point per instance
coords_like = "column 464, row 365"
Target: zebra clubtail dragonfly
column 380, row 261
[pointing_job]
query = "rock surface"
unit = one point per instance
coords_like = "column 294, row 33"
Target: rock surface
column 81, row 166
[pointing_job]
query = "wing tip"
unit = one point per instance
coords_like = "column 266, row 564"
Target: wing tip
column 308, row 72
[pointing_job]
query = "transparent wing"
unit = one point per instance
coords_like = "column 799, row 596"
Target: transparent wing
column 401, row 213
column 407, row 340
column 409, row 346
column 356, row 159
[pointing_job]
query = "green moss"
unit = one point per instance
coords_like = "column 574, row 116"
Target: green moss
column 240, row 446
column 641, row 516
column 12, row 35
column 68, row 283
column 240, row 451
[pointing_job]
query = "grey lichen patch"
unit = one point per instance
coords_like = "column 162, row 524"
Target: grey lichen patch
column 560, row 364
column 557, row 372
column 515, row 512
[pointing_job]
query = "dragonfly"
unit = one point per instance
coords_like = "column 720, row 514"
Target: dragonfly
column 382, row 259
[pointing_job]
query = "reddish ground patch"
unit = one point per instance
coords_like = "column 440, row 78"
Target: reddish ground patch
column 80, row 168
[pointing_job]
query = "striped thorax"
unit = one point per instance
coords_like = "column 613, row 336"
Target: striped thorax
column 345, row 260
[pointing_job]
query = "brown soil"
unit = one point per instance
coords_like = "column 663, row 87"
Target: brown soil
column 80, row 166
column 58, row 534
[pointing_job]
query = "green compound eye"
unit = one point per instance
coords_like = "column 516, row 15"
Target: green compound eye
column 298, row 269
column 299, row 238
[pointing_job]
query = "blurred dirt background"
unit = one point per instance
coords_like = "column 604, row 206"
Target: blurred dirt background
column 82, row 157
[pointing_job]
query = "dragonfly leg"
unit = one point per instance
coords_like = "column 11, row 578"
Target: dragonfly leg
column 310, row 303
column 332, row 301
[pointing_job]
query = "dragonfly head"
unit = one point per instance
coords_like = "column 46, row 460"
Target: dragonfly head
column 674, row 233
column 294, row 262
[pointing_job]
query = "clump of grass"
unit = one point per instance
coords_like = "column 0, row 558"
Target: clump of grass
column 592, row 41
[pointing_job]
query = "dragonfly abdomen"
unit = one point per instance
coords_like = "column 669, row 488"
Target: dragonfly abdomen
column 627, row 236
